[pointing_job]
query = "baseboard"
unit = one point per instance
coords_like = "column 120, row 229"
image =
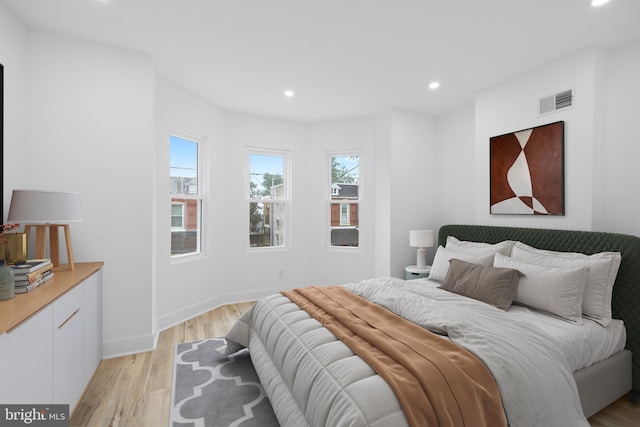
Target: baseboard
column 144, row 343
column 129, row 346
column 186, row 313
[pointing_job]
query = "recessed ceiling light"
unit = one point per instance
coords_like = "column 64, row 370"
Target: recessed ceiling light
column 289, row 93
column 598, row 2
column 434, row 85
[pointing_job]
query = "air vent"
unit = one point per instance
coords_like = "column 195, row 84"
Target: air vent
column 556, row 102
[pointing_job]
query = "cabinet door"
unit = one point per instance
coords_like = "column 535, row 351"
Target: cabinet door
column 25, row 361
column 68, row 348
column 92, row 324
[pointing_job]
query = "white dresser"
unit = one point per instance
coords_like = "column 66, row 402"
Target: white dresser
column 51, row 338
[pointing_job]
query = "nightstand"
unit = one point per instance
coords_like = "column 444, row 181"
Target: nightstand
column 413, row 272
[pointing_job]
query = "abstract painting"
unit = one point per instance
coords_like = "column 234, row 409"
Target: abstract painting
column 527, row 171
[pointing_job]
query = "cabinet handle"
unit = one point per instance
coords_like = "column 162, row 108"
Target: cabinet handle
column 68, row 318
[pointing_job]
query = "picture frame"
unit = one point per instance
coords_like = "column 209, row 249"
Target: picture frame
column 527, row 171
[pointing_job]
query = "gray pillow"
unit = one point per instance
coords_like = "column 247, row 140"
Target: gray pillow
column 493, row 285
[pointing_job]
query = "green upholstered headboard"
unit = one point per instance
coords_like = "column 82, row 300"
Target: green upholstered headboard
column 626, row 291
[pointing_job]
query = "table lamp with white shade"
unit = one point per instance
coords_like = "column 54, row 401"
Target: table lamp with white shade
column 421, row 239
column 46, row 210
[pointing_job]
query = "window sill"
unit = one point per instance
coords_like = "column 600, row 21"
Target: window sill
column 179, row 259
column 344, row 249
column 267, row 249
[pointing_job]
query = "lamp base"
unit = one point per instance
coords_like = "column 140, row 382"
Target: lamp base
column 421, row 258
column 54, row 245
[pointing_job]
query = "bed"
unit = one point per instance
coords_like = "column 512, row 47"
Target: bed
column 313, row 378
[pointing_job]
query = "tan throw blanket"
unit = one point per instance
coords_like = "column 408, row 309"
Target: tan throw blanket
column 437, row 382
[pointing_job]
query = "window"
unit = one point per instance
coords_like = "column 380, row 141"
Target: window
column 177, row 216
column 344, row 200
column 344, row 214
column 268, row 199
column 186, row 190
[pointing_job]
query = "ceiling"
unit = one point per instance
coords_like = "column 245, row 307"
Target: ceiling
column 342, row 58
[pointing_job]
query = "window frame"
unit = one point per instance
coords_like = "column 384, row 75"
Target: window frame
column 329, row 201
column 285, row 199
column 200, row 196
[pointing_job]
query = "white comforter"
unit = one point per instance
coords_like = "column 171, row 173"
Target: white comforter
column 312, row 379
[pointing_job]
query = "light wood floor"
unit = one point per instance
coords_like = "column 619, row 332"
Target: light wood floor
column 136, row 390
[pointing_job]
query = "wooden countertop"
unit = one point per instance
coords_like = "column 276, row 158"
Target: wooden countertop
column 22, row 306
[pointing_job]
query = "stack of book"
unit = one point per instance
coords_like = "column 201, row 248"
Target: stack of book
column 31, row 274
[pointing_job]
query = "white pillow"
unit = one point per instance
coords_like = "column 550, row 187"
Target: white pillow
column 440, row 265
column 557, row 290
column 479, row 248
column 602, row 269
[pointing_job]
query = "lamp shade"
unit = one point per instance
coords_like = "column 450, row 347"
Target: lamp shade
column 44, row 207
column 421, row 238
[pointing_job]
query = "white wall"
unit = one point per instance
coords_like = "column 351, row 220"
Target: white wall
column 512, row 106
column 600, row 146
column 229, row 271
column 455, row 168
column 88, row 127
column 622, row 201
column 333, row 265
column 79, row 117
column 13, row 43
column 382, row 194
column 251, row 273
column 186, row 289
column 406, row 180
column 601, row 143
column 413, row 188
column 232, row 272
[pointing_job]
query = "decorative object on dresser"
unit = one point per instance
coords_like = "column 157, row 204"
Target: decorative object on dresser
column 30, row 266
column 527, row 171
column 47, row 210
column 31, row 274
column 5, row 238
column 421, row 239
column 7, row 282
column 14, row 248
